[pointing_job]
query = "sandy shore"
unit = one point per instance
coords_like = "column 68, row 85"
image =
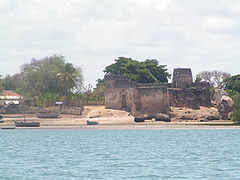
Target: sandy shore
column 115, row 119
column 123, row 124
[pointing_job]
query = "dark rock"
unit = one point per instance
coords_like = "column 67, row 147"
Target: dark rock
column 146, row 117
column 139, row 119
column 212, row 117
column 162, row 117
column 186, row 118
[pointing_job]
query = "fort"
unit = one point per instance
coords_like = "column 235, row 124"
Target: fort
column 149, row 100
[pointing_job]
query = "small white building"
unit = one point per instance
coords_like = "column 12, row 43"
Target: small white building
column 7, row 97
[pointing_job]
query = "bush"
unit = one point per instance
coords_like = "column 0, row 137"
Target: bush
column 236, row 110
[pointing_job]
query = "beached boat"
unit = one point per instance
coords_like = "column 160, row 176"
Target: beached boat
column 27, row 124
column 8, row 127
column 47, row 115
column 92, row 123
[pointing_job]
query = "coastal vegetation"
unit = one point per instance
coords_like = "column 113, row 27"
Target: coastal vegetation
column 236, row 110
column 43, row 82
column 233, row 88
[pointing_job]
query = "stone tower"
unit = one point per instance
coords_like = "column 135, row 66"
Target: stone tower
column 182, row 78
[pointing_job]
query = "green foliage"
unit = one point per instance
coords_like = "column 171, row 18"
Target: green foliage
column 45, row 81
column 99, row 90
column 70, row 77
column 233, row 84
column 49, row 75
column 236, row 111
column 148, row 71
column 44, row 100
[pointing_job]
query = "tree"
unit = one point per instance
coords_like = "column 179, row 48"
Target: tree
column 232, row 86
column 49, row 75
column 215, row 78
column 11, row 82
column 99, row 90
column 70, row 77
column 233, row 83
column 148, row 71
column 236, row 110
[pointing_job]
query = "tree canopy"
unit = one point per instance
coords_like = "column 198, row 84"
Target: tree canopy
column 233, row 83
column 215, row 78
column 233, row 88
column 48, row 75
column 148, row 71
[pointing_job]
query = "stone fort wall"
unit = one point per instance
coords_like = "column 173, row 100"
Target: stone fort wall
column 151, row 99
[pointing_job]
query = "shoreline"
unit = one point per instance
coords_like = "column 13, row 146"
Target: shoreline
column 109, row 119
column 129, row 127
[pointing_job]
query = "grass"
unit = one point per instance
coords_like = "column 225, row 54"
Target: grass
column 222, row 124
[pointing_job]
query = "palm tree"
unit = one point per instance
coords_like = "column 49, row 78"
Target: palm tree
column 69, row 76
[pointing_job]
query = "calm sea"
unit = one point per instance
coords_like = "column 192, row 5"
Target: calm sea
column 120, row 154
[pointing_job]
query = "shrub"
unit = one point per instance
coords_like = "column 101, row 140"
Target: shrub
column 236, row 110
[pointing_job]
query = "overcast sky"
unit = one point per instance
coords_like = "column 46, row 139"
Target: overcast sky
column 200, row 34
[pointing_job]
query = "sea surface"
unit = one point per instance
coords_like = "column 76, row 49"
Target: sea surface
column 119, row 154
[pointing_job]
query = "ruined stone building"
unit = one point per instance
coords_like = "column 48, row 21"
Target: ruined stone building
column 151, row 99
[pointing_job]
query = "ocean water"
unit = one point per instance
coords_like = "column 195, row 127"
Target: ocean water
column 119, row 154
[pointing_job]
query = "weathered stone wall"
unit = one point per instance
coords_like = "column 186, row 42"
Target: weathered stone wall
column 118, row 93
column 190, row 97
column 182, row 78
column 114, row 98
column 149, row 101
column 139, row 99
column 201, row 85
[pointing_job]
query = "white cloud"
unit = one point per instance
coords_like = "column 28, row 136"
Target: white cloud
column 91, row 33
column 221, row 24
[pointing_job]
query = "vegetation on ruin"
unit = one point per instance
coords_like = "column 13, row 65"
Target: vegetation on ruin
column 148, row 71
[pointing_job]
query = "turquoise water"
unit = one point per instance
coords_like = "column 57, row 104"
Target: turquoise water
column 120, row 154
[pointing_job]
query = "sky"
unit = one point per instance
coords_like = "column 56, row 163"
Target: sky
column 202, row 35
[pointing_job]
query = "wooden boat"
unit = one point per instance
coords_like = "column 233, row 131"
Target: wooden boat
column 92, row 123
column 8, row 127
column 47, row 115
column 27, row 124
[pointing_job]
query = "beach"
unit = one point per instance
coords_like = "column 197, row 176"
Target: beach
column 116, row 119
